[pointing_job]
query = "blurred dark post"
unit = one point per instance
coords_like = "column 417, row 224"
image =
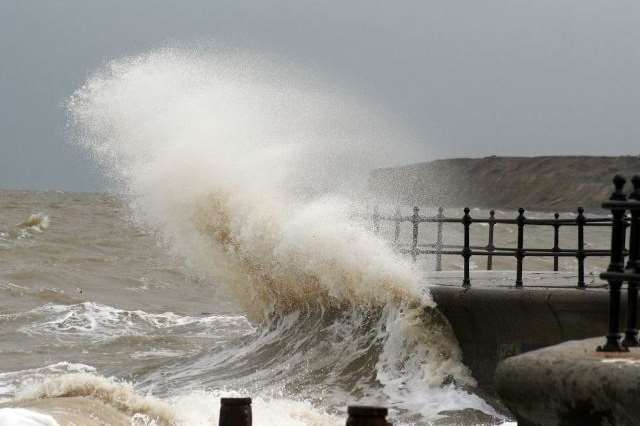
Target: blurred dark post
column 466, row 250
column 440, row 216
column 396, row 231
column 490, row 247
column 580, row 221
column 235, row 412
column 520, row 250
column 376, row 220
column 616, row 266
column 367, row 416
column 633, row 265
column 415, row 219
column 556, row 240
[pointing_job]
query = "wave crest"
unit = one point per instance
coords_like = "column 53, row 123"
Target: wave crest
column 234, row 170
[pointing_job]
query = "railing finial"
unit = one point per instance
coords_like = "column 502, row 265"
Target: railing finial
column 619, row 182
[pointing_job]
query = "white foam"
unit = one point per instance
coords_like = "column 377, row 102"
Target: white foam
column 118, row 394
column 98, row 322
column 10, row 381
column 191, row 409
column 202, row 409
column 24, row 417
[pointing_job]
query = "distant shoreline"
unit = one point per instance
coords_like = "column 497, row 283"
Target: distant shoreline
column 546, row 183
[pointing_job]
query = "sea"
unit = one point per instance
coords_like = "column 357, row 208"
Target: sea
column 222, row 259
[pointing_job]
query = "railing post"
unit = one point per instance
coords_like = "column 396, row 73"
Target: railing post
column 520, row 250
column 631, row 333
column 235, row 412
column 415, row 219
column 580, row 221
column 490, row 246
column 367, row 416
column 616, row 265
column 376, row 220
column 556, row 241
column 440, row 216
column 466, row 251
column 396, row 231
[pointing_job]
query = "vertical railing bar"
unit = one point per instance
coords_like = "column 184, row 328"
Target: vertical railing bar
column 466, row 251
column 439, row 239
column 580, row 220
column 490, row 246
column 556, row 241
column 415, row 219
column 633, row 265
column 520, row 250
column 396, row 231
column 618, row 240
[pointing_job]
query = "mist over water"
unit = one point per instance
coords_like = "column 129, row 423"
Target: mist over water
column 248, row 173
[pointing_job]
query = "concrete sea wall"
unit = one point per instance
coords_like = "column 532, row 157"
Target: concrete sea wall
column 493, row 323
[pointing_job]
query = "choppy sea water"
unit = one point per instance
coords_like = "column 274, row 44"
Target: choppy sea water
column 91, row 305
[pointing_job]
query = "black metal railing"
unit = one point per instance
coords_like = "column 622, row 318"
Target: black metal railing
column 618, row 272
column 520, row 252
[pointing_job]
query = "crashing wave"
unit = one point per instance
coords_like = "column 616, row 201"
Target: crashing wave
column 251, row 181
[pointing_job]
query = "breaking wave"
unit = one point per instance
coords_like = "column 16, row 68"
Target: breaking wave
column 251, row 173
column 238, row 173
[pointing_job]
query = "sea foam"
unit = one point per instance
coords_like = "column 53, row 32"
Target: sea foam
column 251, row 173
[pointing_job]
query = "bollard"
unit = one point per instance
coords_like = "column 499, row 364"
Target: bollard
column 616, row 266
column 367, row 416
column 580, row 221
column 415, row 219
column 396, row 233
column 376, row 220
column 631, row 333
column 439, row 239
column 235, row 412
column 556, row 241
column 490, row 246
column 520, row 250
column 466, row 250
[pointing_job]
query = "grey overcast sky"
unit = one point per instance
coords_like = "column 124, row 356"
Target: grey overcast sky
column 469, row 77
